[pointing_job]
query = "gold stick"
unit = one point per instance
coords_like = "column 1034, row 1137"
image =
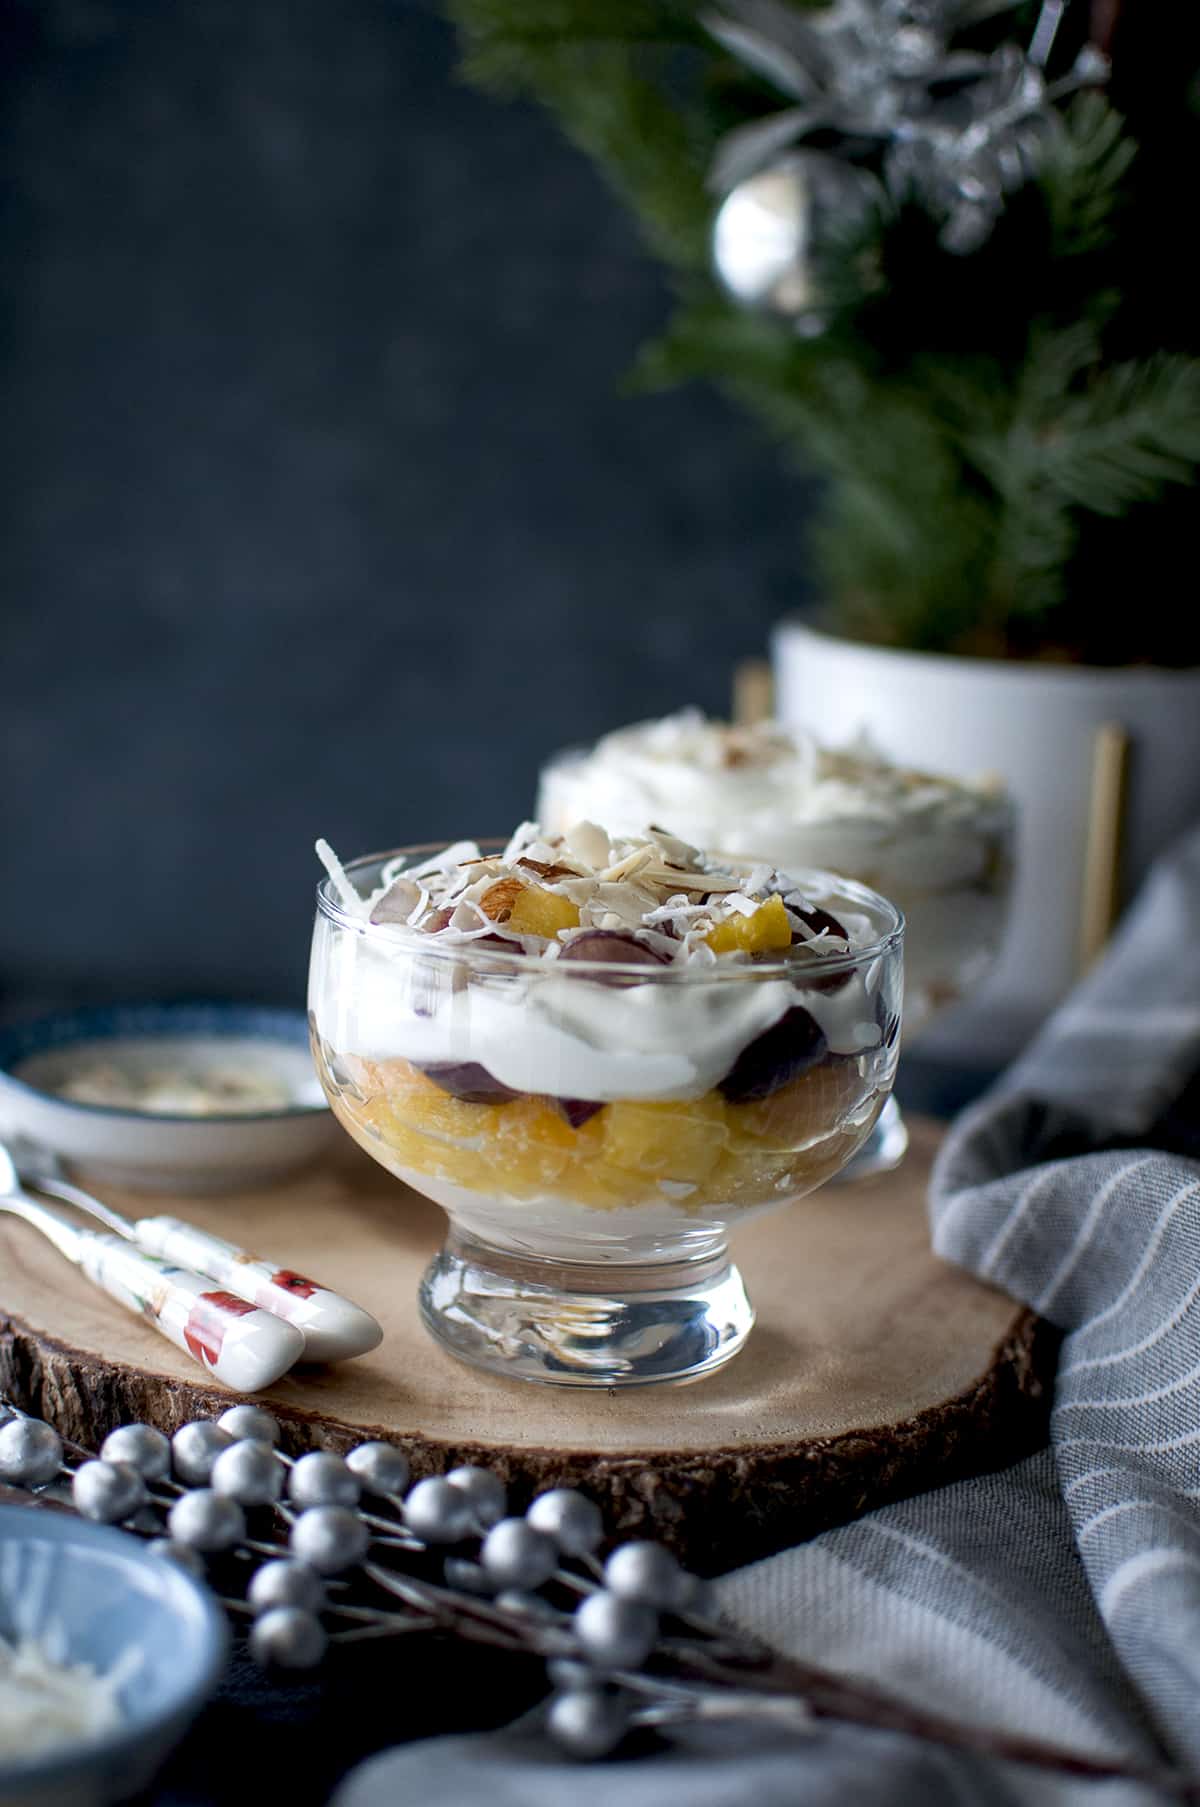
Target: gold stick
column 753, row 692
column 1102, row 855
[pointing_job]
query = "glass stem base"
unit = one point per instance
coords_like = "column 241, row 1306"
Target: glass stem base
column 584, row 1325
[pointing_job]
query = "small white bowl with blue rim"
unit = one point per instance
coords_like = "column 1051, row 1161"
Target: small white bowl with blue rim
column 161, row 1151
column 88, row 1594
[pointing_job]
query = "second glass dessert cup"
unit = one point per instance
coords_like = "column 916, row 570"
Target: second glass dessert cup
column 590, row 1185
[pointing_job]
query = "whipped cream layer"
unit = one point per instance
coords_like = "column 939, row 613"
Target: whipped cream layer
column 772, row 793
column 566, row 1035
column 383, row 989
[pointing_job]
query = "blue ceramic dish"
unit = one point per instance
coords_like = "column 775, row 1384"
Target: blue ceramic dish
column 89, row 1594
column 153, row 1150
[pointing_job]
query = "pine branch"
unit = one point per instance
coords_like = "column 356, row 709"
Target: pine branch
column 1083, row 174
column 608, row 72
column 1082, row 439
column 974, row 435
column 1134, row 431
column 500, row 36
column 655, row 159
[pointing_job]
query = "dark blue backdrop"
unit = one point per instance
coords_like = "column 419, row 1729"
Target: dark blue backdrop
column 323, row 513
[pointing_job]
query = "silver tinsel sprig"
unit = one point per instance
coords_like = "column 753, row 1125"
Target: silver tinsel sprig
column 323, row 1550
column 956, row 131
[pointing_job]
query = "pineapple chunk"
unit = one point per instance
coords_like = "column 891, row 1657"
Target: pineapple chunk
column 538, row 912
column 670, row 1141
column 767, row 931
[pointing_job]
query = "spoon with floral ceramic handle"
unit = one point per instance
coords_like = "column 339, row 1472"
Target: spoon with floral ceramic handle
column 334, row 1328
column 239, row 1344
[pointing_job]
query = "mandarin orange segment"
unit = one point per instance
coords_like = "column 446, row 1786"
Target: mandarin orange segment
column 429, row 1108
column 538, row 912
column 769, row 930
column 629, row 1154
column 680, row 1141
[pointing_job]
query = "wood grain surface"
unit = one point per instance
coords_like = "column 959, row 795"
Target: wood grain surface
column 874, row 1370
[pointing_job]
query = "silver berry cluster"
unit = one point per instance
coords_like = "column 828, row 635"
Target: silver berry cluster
column 318, row 1542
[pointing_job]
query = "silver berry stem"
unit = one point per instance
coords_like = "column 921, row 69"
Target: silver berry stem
column 394, row 1536
column 578, row 1584
column 487, row 1623
column 720, row 1704
column 378, row 1624
column 395, row 1627
column 257, row 1547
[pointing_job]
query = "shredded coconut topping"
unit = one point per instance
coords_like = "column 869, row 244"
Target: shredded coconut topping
column 547, row 891
column 46, row 1704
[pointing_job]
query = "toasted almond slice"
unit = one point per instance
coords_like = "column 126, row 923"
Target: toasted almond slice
column 548, row 874
column 497, row 902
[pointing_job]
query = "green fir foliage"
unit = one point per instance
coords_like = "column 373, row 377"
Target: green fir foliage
column 1006, row 441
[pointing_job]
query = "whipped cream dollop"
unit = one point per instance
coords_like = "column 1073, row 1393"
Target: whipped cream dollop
column 771, row 792
column 938, row 848
column 580, row 966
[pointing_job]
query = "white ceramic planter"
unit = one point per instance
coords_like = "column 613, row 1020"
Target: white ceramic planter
column 1036, row 726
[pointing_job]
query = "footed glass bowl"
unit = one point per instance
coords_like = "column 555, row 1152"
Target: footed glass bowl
column 592, row 1130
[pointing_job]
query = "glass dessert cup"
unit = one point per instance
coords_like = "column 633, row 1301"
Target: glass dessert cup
column 941, row 850
column 589, row 1205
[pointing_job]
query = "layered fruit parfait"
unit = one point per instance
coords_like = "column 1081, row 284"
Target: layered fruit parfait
column 603, row 1050
column 938, row 847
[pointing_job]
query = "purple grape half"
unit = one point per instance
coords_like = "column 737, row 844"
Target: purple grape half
column 576, row 1111
column 781, row 1053
column 613, row 947
column 818, row 920
column 467, row 1080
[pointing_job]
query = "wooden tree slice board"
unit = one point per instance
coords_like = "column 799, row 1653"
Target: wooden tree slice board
column 874, row 1370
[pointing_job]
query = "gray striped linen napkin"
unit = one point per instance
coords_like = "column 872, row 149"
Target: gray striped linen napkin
column 1060, row 1598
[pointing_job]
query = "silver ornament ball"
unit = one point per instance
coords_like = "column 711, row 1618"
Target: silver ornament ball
column 181, row 1554
column 485, row 1490
column 774, row 230
column 107, row 1491
column 436, row 1512
column 515, row 1554
column 194, row 1449
column 286, row 1583
column 287, row 1637
column 322, row 1479
column 570, row 1518
column 379, row 1468
column 141, row 1447
column 206, row 1521
column 249, row 1472
column 329, row 1539
column 587, row 1723
column 614, row 1633
column 648, row 1572
column 242, row 1421
column 31, row 1452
